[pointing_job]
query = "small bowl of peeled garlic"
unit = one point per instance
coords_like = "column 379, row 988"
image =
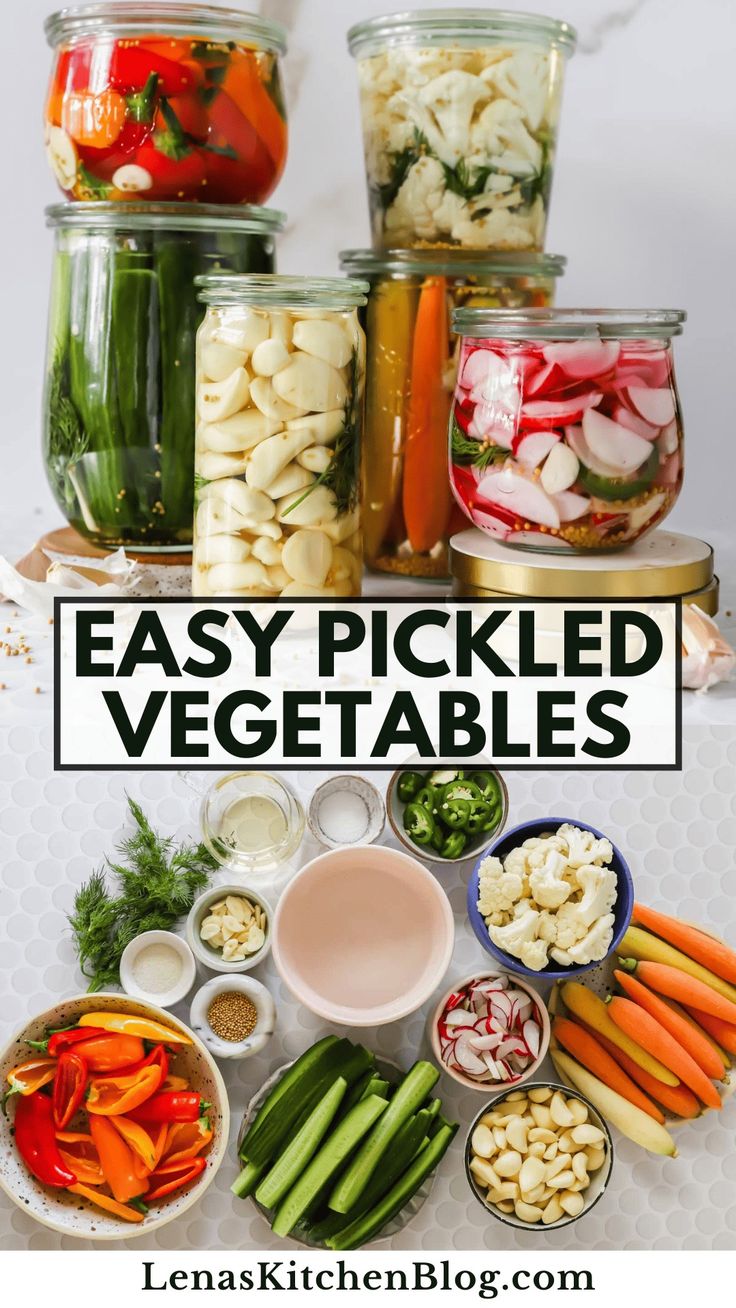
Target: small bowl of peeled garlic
column 229, row 928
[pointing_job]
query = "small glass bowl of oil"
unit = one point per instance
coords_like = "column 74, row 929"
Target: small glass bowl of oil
column 251, row 821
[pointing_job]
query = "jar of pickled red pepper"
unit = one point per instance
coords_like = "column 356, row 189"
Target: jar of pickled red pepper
column 566, row 432
column 460, row 111
column 280, row 379
column 165, row 102
column 408, row 509
column 119, row 395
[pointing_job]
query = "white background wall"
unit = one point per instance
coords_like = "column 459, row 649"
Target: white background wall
column 644, row 205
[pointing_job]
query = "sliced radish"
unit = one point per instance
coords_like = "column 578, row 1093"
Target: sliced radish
column 571, row 506
column 491, row 421
column 467, row 1058
column 654, row 405
column 669, row 439
column 457, row 1017
column 539, row 415
column 535, row 447
column 532, row 1036
column 560, row 469
column 578, row 444
column 584, row 359
column 522, row 496
column 613, row 444
column 652, row 365
column 486, row 1042
column 537, row 540
column 633, row 422
column 492, row 526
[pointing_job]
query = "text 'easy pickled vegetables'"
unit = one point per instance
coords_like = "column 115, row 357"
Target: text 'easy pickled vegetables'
column 566, row 443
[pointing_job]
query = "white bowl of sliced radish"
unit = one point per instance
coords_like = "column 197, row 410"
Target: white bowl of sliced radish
column 491, row 1029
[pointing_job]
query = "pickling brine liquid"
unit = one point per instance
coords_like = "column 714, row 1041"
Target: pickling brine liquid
column 253, row 823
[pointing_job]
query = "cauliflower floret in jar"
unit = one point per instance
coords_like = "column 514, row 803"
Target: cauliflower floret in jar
column 523, row 78
column 522, row 930
column 499, row 888
column 500, row 230
column 417, row 199
column 499, row 132
column 451, row 99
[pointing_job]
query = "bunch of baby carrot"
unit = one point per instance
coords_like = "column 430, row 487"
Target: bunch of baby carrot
column 656, row 1048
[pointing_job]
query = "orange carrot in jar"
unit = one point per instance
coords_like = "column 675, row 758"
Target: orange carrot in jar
column 678, row 1027
column 723, row 1032
column 640, row 1025
column 683, row 987
column 713, row 954
column 676, row 1099
column 591, row 1054
column 244, row 85
column 426, row 487
column 94, row 118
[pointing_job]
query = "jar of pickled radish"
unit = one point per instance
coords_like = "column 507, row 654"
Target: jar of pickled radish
column 460, row 111
column 165, row 102
column 408, row 509
column 119, row 394
column 280, row 380
column 566, row 431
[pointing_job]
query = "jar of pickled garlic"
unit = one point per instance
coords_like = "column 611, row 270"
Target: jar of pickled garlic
column 119, row 394
column 408, row 509
column 165, row 102
column 460, row 112
column 280, row 380
column 566, row 431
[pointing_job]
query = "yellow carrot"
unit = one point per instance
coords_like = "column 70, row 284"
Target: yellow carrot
column 647, row 948
column 629, row 1119
column 426, row 494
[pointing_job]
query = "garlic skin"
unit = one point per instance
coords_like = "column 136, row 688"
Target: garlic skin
column 278, row 410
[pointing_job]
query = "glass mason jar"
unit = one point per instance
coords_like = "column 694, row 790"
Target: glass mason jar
column 165, row 102
column 408, row 510
column 119, row 394
column 280, row 379
column 566, row 431
column 460, row 109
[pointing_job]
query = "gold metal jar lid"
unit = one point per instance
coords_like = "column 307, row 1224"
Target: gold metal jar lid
column 664, row 565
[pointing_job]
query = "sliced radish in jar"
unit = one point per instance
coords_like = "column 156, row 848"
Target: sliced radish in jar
column 493, row 422
column 578, row 444
column 613, row 444
column 537, row 540
column 652, row 365
column 560, row 469
column 669, row 439
column 492, row 526
column 535, row 447
column 571, row 506
column 584, row 359
column 634, row 423
column 524, row 497
column 654, row 406
column 542, row 414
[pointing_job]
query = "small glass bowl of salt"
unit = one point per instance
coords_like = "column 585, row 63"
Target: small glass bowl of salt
column 158, row 966
column 346, row 810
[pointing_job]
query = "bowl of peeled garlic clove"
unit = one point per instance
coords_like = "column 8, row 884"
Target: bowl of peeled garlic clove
column 229, row 928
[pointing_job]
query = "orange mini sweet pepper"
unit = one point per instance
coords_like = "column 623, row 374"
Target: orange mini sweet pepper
column 27, row 1077
column 184, row 1141
column 77, row 1148
column 116, row 1160
column 129, row 1024
column 117, row 1095
column 109, row 1205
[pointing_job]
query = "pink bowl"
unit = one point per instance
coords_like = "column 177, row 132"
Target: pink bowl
column 363, row 936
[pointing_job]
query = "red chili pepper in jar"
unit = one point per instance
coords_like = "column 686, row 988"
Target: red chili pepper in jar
column 36, row 1141
column 233, row 132
column 167, row 1180
column 70, row 1084
column 171, row 1106
column 177, row 168
column 131, row 66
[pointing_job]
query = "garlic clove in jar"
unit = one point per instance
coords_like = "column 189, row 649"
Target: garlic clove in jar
column 244, row 332
column 237, row 433
column 226, row 577
column 293, row 478
column 223, row 549
column 307, row 556
column 324, row 340
column 311, row 384
column 316, row 458
column 325, row 427
column 214, row 466
column 316, row 509
column 270, row 403
column 219, row 360
column 268, row 551
column 271, row 456
column 269, row 357
column 218, row 400
column 245, row 499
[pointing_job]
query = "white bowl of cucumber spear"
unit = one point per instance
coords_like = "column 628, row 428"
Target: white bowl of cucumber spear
column 339, row 1149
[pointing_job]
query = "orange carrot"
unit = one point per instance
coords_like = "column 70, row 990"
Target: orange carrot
column 723, row 1032
column 696, row 944
column 688, row 1017
column 676, row 1099
column 104, row 1201
column 686, row 989
column 244, row 84
column 678, row 1027
column 426, row 483
column 587, row 1050
column 641, row 1026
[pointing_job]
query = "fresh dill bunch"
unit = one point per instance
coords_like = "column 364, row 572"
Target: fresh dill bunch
column 155, row 884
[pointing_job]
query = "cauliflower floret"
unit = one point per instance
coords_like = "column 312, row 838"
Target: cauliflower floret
column 533, row 954
column 451, row 100
column 416, row 201
column 547, row 927
column 523, row 907
column 499, row 889
column 570, row 928
column 599, row 886
column 516, row 861
column 499, row 136
column 524, row 79
column 596, row 943
column 452, row 210
column 584, row 847
column 547, row 881
column 521, row 931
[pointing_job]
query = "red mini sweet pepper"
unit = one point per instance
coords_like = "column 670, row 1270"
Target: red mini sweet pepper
column 36, row 1141
column 171, row 1106
column 166, row 1180
column 62, row 1040
column 70, row 1084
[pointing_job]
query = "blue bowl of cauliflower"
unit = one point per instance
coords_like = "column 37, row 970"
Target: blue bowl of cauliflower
column 551, row 898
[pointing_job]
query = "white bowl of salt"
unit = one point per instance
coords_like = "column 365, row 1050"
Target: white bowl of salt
column 346, row 810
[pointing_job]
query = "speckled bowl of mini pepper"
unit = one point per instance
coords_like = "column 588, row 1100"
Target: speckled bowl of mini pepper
column 447, row 815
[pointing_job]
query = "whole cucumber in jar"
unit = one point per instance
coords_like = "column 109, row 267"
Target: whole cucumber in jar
column 119, row 402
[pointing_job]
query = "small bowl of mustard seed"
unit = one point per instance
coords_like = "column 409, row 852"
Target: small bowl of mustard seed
column 234, row 1016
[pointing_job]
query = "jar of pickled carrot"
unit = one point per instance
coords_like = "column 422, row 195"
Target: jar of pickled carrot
column 566, row 432
column 408, row 510
column 165, row 102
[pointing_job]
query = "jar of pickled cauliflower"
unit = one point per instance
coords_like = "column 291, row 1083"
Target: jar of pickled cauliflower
column 119, row 394
column 161, row 101
column 460, row 111
column 280, row 379
column 408, row 509
column 566, row 431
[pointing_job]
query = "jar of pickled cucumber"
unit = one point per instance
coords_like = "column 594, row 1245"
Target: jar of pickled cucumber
column 408, row 510
column 280, row 379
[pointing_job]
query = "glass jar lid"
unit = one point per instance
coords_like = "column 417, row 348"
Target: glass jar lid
column 120, row 18
column 272, row 289
column 451, row 263
column 568, row 324
column 137, row 215
column 468, row 27
column 664, row 565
